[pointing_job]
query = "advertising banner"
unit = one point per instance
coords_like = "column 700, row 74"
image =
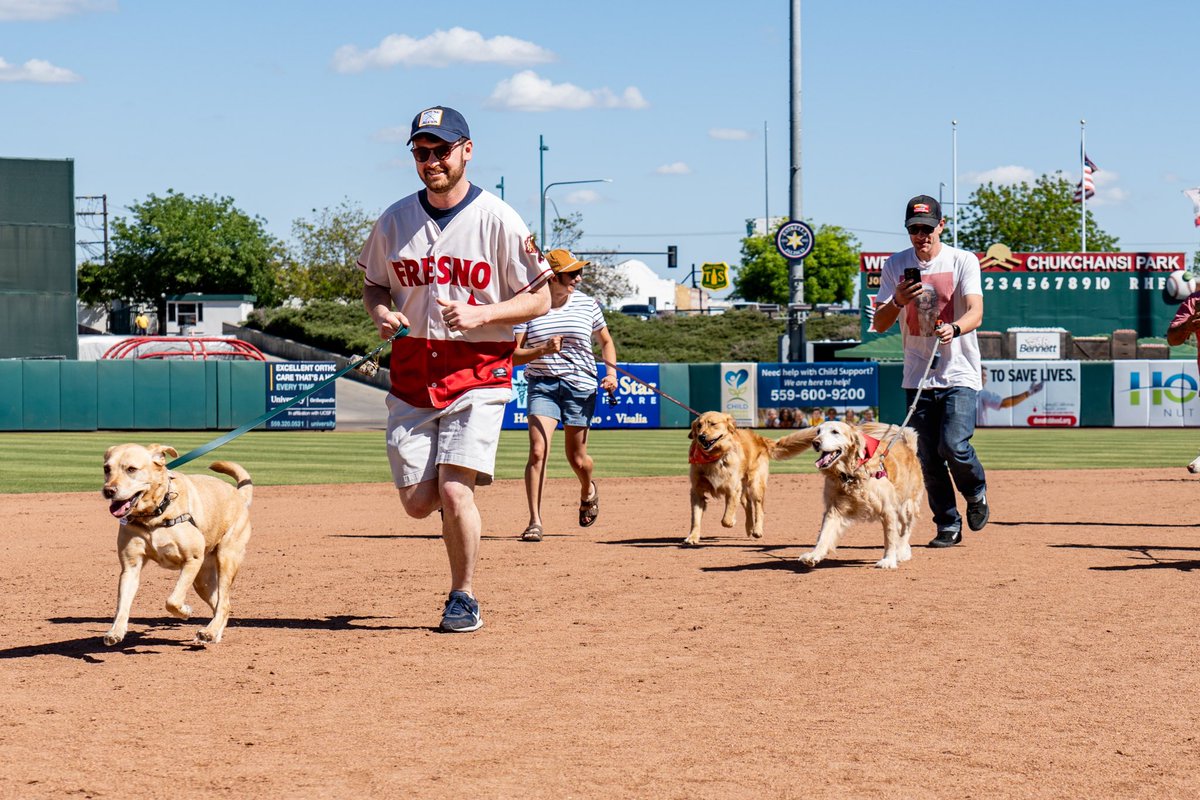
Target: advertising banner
column 1029, row 394
column 737, row 391
column 797, row 395
column 287, row 380
column 1158, row 394
column 636, row 405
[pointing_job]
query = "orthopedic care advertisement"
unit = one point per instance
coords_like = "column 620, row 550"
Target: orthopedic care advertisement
column 799, row 394
column 1029, row 394
column 636, row 406
column 1156, row 394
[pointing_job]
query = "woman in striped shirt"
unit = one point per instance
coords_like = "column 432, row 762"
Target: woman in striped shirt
column 561, row 376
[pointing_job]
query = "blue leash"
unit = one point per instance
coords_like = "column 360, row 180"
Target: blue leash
column 233, row 434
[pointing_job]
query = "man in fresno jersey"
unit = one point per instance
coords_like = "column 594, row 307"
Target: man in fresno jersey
column 458, row 267
column 940, row 308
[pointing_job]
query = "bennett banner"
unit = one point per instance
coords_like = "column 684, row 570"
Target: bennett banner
column 1029, row 394
column 1158, row 394
column 286, row 380
column 797, row 395
column 636, row 406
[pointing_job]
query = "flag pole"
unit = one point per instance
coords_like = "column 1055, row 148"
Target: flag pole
column 954, row 167
column 1082, row 187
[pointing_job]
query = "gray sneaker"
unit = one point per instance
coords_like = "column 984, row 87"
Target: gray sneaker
column 461, row 614
column 977, row 512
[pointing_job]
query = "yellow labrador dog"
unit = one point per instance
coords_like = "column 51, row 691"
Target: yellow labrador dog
column 733, row 463
column 871, row 473
column 196, row 524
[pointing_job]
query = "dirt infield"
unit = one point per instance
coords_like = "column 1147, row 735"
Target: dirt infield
column 1052, row 655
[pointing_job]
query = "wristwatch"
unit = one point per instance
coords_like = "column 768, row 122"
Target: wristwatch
column 957, row 330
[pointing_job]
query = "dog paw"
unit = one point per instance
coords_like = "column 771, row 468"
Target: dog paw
column 754, row 534
column 692, row 541
column 113, row 637
column 205, row 636
column 727, row 522
column 905, row 554
column 810, row 559
column 183, row 611
column 886, row 563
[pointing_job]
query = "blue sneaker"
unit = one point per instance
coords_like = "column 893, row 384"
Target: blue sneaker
column 461, row 614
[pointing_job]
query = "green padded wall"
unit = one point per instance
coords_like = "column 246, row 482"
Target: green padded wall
column 675, row 380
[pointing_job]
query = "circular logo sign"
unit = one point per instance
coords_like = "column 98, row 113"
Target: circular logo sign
column 794, row 239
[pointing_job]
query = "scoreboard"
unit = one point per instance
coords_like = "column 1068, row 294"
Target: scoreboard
column 1088, row 294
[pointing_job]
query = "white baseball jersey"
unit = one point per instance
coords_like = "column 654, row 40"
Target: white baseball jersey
column 484, row 255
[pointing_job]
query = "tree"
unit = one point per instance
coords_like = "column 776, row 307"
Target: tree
column 322, row 260
column 829, row 270
column 603, row 282
column 1041, row 218
column 178, row 245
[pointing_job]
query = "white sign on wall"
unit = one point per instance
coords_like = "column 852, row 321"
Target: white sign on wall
column 739, row 396
column 1038, row 344
column 1030, row 394
column 1158, row 394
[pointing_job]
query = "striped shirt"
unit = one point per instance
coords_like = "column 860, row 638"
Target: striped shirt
column 576, row 322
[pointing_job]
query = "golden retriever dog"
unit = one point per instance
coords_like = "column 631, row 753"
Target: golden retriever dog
column 871, row 473
column 197, row 524
column 732, row 463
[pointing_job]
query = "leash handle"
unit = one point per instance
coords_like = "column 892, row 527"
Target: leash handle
column 236, row 432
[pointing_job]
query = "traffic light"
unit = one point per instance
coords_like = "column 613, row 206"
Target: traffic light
column 672, row 256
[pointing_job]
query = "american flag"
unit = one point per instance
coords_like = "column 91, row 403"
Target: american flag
column 1086, row 185
column 1194, row 196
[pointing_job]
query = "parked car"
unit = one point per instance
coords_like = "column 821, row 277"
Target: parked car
column 639, row 310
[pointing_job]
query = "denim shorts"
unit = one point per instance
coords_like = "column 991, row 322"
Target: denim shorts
column 557, row 399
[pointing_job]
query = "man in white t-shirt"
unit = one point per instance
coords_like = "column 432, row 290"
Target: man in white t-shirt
column 936, row 292
column 458, row 267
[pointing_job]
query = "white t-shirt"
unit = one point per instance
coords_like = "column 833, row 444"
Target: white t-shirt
column 576, row 321
column 947, row 279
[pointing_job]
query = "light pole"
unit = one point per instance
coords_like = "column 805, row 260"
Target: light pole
column 542, row 235
column 542, row 148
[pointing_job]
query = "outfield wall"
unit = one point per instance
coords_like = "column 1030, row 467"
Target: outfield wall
column 60, row 395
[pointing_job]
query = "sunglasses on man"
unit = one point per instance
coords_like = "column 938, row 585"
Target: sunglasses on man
column 441, row 152
column 919, row 230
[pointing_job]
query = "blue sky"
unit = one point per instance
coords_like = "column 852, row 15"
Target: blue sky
column 293, row 105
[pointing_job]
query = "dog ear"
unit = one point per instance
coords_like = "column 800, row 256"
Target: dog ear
column 161, row 451
column 730, row 422
column 692, row 431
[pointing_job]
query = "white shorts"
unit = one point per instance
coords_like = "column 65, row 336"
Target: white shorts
column 464, row 433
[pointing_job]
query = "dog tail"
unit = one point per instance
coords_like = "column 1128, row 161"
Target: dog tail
column 245, row 486
column 793, row 444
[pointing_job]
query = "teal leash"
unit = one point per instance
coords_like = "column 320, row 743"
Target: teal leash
column 235, row 433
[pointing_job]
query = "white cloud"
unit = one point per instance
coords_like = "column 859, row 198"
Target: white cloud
column 583, row 197
column 40, row 10
column 1002, row 176
column 440, row 49
column 730, row 134
column 678, row 168
column 526, row 91
column 1107, row 192
column 35, row 71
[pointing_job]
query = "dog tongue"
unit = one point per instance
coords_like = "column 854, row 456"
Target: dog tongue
column 120, row 508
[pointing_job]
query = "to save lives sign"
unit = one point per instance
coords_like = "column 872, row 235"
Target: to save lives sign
column 287, row 380
column 1030, row 394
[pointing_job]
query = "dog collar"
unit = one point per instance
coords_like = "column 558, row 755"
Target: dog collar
column 698, row 455
column 872, row 447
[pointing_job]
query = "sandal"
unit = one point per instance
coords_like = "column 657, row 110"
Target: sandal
column 532, row 534
column 589, row 509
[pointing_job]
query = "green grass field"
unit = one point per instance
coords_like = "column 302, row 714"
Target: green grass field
column 71, row 462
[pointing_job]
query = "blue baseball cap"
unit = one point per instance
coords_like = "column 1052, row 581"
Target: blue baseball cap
column 442, row 122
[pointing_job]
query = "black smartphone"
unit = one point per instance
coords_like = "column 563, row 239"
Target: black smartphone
column 912, row 275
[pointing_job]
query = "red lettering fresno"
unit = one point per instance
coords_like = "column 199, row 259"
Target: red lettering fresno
column 443, row 270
